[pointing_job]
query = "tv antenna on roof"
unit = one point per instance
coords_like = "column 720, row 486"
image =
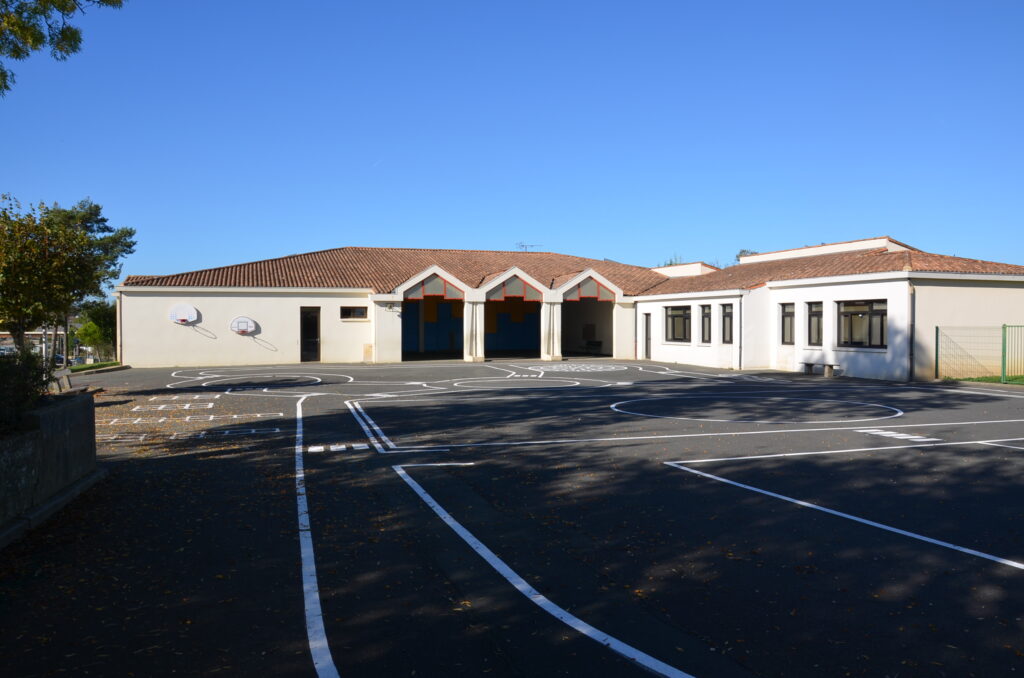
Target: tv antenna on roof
column 524, row 247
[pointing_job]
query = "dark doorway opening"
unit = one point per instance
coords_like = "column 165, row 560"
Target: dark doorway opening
column 587, row 328
column 512, row 328
column 432, row 328
column 309, row 334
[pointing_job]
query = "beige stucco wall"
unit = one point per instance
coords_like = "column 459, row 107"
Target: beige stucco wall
column 149, row 339
column 624, row 321
column 952, row 303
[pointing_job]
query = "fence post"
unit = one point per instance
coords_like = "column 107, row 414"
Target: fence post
column 1002, row 378
column 936, row 351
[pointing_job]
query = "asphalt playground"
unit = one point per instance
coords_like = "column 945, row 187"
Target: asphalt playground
column 519, row 518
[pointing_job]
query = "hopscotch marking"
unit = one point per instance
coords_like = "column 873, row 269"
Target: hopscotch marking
column 224, row 432
column 199, row 396
column 122, row 421
column 614, row 644
column 847, row 516
column 172, row 406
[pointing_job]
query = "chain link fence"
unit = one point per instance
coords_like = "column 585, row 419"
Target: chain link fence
column 985, row 353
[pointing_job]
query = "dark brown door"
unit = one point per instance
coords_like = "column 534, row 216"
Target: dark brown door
column 647, row 336
column 309, row 333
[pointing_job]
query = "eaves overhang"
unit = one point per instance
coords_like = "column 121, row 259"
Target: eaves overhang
column 708, row 294
column 195, row 289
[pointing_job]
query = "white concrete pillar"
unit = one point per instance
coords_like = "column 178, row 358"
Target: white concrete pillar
column 473, row 332
column 624, row 330
column 551, row 331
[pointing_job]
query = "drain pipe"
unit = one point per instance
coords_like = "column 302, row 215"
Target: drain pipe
column 740, row 334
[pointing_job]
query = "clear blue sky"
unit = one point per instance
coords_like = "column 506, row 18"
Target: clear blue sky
column 228, row 131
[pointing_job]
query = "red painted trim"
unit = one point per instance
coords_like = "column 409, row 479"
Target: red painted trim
column 579, row 291
column 421, row 286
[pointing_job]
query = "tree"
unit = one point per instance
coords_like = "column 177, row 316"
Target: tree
column 52, row 258
column 745, row 253
column 103, row 314
column 28, row 26
column 91, row 335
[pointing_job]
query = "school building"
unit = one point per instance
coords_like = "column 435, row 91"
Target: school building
column 867, row 307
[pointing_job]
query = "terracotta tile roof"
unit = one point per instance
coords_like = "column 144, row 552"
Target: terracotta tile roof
column 748, row 276
column 382, row 269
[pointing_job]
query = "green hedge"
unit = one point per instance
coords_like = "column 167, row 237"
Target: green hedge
column 24, row 378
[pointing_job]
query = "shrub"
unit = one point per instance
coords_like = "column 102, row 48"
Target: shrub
column 24, row 378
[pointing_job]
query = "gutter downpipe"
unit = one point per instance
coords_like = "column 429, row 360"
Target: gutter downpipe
column 913, row 326
column 742, row 327
column 120, row 332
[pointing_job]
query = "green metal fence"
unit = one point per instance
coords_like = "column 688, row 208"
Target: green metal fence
column 1013, row 354
column 985, row 353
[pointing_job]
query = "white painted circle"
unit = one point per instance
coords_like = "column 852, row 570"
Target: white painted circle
column 243, row 325
column 510, row 383
column 263, row 381
column 183, row 314
column 578, row 367
column 895, row 412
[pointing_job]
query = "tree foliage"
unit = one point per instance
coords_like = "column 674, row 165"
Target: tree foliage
column 27, row 26
column 745, row 253
column 91, row 335
column 102, row 314
column 51, row 258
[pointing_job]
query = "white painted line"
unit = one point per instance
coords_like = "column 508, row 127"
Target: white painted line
column 316, row 448
column 416, row 450
column 629, row 652
column 373, row 425
column 864, row 521
column 360, row 446
column 724, row 396
column 1012, row 447
column 337, row 448
column 315, row 631
column 822, row 452
column 671, row 436
column 366, row 429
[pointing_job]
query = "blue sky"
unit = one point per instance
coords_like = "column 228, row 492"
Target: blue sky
column 637, row 131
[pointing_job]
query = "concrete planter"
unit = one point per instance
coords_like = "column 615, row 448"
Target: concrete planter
column 41, row 470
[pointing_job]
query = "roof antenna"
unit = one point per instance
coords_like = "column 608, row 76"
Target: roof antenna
column 524, row 247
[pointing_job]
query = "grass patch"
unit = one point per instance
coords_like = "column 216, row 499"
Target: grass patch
column 94, row 366
column 1012, row 379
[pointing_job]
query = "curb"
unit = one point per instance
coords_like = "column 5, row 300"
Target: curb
column 100, row 370
column 38, row 515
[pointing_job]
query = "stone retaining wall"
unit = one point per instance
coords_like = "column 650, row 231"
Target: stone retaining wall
column 40, row 465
